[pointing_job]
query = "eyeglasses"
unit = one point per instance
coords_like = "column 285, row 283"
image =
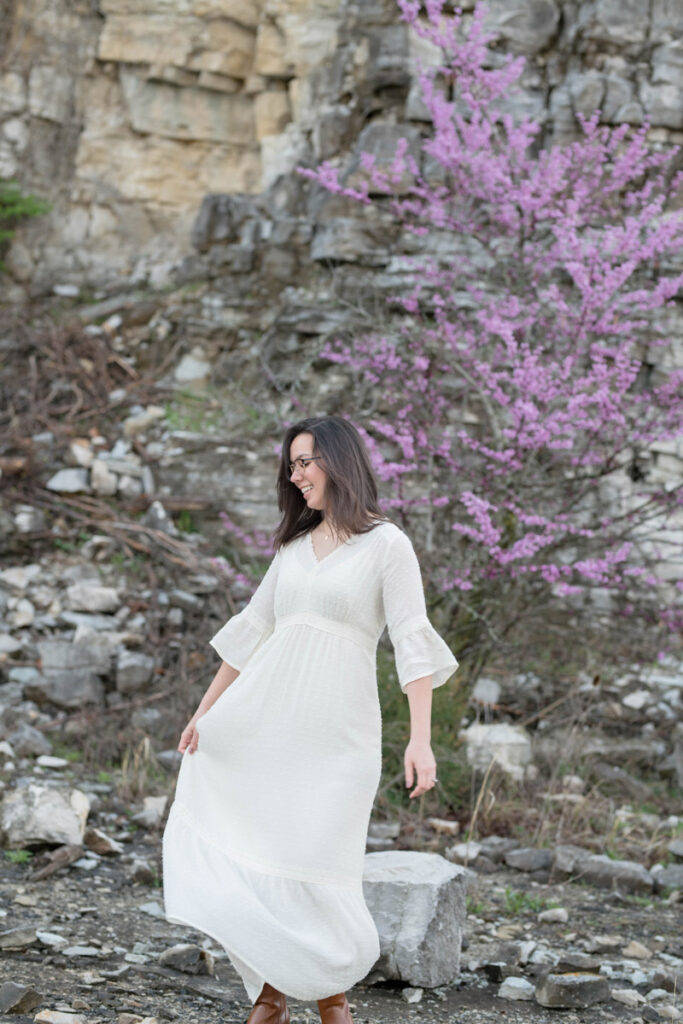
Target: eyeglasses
column 302, row 463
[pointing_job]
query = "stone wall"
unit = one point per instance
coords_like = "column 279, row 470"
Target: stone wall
column 127, row 112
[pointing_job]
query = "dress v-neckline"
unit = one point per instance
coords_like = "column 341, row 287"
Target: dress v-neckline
column 319, row 561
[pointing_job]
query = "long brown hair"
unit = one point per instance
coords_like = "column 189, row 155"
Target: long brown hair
column 350, row 488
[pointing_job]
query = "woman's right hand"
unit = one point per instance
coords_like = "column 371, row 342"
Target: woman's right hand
column 189, row 737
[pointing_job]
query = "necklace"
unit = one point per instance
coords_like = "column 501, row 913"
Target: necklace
column 323, row 530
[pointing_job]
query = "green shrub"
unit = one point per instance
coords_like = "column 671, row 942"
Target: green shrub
column 15, row 207
column 18, row 856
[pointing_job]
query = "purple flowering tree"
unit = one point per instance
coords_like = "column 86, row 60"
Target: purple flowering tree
column 519, row 373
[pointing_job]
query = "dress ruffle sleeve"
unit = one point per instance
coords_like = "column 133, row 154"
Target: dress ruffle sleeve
column 418, row 649
column 243, row 634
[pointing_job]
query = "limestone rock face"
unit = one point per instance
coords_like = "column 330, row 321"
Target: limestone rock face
column 417, row 901
column 151, row 105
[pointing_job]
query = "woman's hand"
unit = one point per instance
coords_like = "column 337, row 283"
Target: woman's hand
column 420, row 767
column 189, row 737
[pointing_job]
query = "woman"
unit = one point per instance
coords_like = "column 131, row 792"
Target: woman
column 264, row 845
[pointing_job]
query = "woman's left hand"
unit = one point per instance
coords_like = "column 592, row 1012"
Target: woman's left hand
column 420, row 767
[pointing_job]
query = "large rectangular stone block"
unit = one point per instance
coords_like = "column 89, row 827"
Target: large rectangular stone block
column 162, row 109
column 417, row 901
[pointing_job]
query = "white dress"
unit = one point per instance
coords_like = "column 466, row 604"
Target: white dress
column 265, row 841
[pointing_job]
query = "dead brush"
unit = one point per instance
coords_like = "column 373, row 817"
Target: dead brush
column 140, row 774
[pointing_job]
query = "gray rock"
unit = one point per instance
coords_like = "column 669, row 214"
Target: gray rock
column 615, row 21
column 486, row 691
column 613, row 773
column 417, row 901
column 13, row 692
column 667, row 63
column 637, row 699
column 69, row 481
column 508, row 745
column 384, row 829
column 677, row 755
column 628, row 996
column 218, row 220
column 51, row 939
column 662, row 104
column 516, row 988
column 103, row 478
column 153, row 811
column 6, row 751
column 9, row 644
column 618, row 99
column 527, row 25
column 157, row 518
column 28, row 519
column 152, row 909
column 600, row 870
column 587, row 91
column 675, row 848
column 183, row 599
column 148, row 719
column 667, row 20
column 22, row 614
column 93, row 623
column 464, row 853
column 528, row 859
column 140, row 870
column 572, row 991
column 387, row 64
column 348, row 240
column 567, row 857
column 554, row 915
column 26, row 740
column 670, row 877
column 99, row 842
column 581, row 962
column 133, row 671
column 331, row 130
column 70, row 673
column 18, row 938
column 16, row 998
column 170, row 759
column 48, row 761
column 89, row 597
column 19, row 577
column 37, row 814
column 188, row 958
column 192, row 367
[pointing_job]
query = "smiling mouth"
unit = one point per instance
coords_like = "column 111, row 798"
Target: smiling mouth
column 305, row 490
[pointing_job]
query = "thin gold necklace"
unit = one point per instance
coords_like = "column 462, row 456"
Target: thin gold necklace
column 326, row 536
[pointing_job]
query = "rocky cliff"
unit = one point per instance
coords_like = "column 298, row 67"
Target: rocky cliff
column 127, row 113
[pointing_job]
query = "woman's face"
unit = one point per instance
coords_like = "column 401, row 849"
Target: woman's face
column 310, row 479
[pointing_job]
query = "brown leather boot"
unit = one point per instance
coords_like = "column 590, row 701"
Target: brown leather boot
column 335, row 1010
column 269, row 1008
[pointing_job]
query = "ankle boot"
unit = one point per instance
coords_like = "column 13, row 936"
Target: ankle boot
column 269, row 1008
column 335, row 1010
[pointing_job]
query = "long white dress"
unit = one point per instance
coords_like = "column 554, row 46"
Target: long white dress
column 265, row 841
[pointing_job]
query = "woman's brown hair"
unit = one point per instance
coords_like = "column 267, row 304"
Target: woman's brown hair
column 350, row 488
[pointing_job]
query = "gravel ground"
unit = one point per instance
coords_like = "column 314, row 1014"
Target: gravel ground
column 117, row 970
